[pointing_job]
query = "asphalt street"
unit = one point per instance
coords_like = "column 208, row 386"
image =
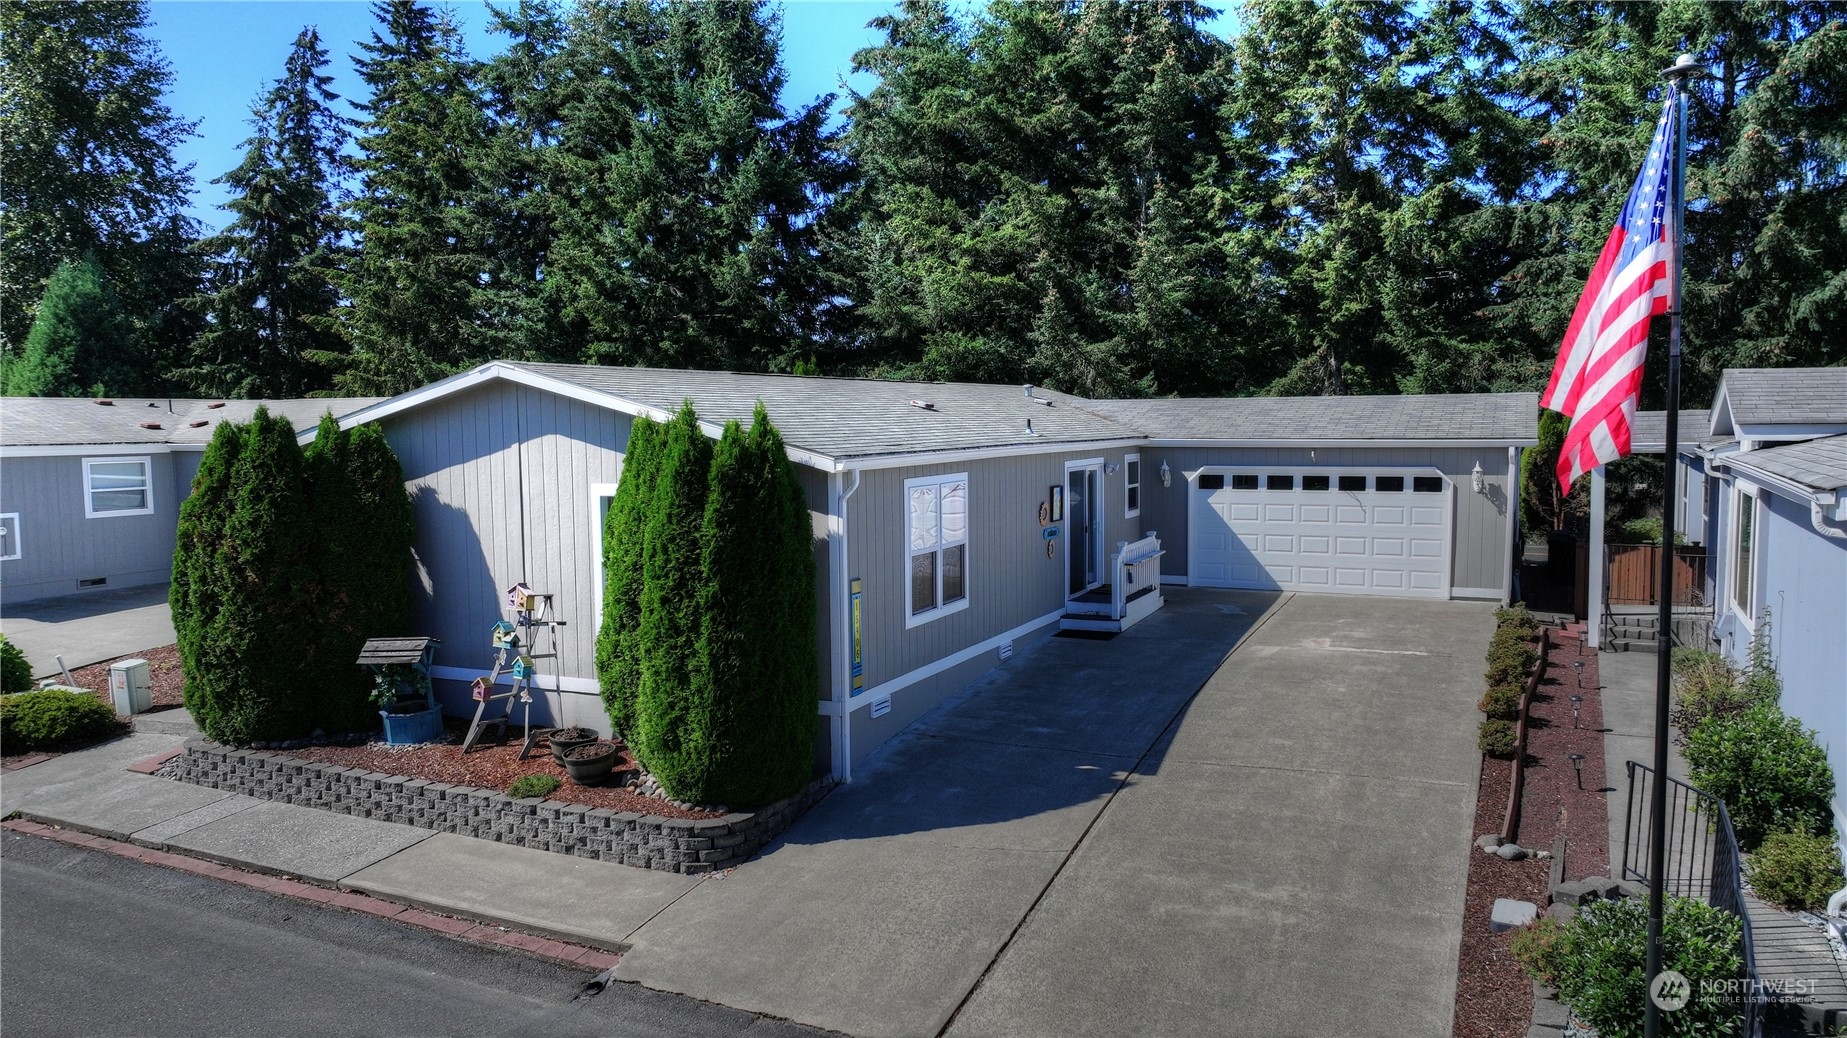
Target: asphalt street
column 95, row 945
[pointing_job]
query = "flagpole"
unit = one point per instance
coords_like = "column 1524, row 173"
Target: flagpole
column 1682, row 70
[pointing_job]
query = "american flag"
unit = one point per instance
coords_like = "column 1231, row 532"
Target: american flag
column 1598, row 377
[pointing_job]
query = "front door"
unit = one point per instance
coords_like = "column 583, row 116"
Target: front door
column 1084, row 526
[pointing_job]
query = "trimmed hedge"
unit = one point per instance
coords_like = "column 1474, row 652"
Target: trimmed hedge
column 625, row 528
column 1501, row 703
column 54, row 718
column 15, row 671
column 1497, row 738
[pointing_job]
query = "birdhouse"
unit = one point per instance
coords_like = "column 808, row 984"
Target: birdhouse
column 505, row 634
column 525, row 667
column 521, row 598
column 482, row 690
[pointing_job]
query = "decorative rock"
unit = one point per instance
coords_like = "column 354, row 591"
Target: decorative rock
column 1488, row 842
column 1561, row 913
column 1511, row 851
column 1633, row 891
column 1508, row 914
column 1550, row 1014
column 1542, row 855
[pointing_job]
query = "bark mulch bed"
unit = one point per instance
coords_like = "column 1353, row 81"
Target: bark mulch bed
column 1494, row 997
column 164, row 678
column 493, row 766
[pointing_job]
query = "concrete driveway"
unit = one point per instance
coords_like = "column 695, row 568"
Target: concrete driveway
column 1142, row 835
column 88, row 628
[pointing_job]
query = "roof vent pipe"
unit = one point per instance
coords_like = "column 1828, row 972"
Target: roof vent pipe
column 1029, row 390
column 923, row 405
column 1030, row 431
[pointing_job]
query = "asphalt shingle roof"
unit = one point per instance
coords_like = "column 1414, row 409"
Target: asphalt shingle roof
column 1816, row 464
column 847, row 417
column 77, row 421
column 1786, row 396
column 1648, row 433
column 1510, row 417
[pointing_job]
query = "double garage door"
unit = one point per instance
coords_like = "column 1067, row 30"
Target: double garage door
column 1354, row 531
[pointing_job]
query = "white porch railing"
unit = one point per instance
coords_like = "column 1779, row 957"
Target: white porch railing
column 1135, row 568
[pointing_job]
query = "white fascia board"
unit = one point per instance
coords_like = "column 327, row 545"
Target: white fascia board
column 1788, row 431
column 949, row 457
column 1782, row 486
column 498, row 371
column 76, row 450
column 1423, row 444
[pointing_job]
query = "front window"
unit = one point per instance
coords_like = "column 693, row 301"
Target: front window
column 1741, row 573
column 1132, row 493
column 116, row 486
column 936, row 538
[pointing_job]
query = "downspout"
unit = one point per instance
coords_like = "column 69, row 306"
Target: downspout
column 1514, row 533
column 1818, row 518
column 842, row 629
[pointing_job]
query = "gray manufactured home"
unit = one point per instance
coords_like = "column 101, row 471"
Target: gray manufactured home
column 952, row 521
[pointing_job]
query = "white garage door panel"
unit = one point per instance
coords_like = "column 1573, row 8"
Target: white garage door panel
column 1385, row 543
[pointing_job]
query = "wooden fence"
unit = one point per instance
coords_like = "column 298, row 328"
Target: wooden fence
column 1635, row 574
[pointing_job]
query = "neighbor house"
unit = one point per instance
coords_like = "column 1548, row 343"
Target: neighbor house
column 1775, row 462
column 952, row 521
column 90, row 489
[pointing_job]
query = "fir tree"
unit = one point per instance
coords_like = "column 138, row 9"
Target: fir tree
column 411, row 288
column 618, row 643
column 81, row 344
column 274, row 295
column 673, row 750
column 90, row 169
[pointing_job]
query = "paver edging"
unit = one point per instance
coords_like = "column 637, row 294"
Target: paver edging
column 687, row 846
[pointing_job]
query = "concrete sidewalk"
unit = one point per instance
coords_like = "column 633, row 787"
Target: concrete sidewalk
column 88, row 628
column 1138, row 835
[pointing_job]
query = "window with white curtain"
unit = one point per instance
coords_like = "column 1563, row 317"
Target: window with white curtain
column 936, row 546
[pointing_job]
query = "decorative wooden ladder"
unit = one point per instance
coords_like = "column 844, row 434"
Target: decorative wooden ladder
column 529, row 624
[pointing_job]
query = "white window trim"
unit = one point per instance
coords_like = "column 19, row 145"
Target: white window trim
column 912, row 619
column 1744, row 495
column 600, row 494
column 1131, row 511
column 10, row 520
column 89, row 497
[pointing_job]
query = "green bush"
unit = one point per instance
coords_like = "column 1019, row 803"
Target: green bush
column 54, row 718
column 1497, row 738
column 1598, row 963
column 1639, row 531
column 1516, row 617
column 618, row 643
column 1706, row 686
column 1510, row 660
column 15, row 672
column 1539, row 949
column 533, row 786
column 1501, row 703
column 756, row 681
column 1795, row 870
column 1768, row 770
column 674, row 751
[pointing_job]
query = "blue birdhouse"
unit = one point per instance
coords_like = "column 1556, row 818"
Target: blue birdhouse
column 525, row 667
column 505, row 634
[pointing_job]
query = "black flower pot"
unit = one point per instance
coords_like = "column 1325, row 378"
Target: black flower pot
column 590, row 762
column 564, row 740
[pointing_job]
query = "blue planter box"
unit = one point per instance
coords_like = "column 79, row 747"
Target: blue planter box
column 420, row 726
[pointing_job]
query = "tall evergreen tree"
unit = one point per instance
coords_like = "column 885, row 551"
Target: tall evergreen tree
column 245, row 593
column 618, row 642
column 273, row 287
column 88, row 151
column 685, row 197
column 81, row 343
column 673, row 750
column 756, row 681
column 411, row 289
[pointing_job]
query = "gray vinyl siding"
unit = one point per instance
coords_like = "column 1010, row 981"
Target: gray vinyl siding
column 59, row 546
column 1479, row 541
column 501, row 479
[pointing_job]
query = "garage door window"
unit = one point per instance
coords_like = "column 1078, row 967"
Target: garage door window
column 1279, row 483
column 1314, row 482
column 1427, row 484
column 936, row 535
column 1353, row 484
column 1238, row 482
column 1389, row 484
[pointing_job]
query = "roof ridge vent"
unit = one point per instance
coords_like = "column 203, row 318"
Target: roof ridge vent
column 923, row 405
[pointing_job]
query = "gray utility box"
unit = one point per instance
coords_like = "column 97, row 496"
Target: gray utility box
column 131, row 687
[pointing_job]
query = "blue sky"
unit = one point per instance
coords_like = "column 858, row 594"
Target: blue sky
column 225, row 53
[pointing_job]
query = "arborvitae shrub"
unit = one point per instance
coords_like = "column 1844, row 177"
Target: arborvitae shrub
column 618, row 643
column 198, row 571
column 755, row 683
column 673, row 750
column 15, row 672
